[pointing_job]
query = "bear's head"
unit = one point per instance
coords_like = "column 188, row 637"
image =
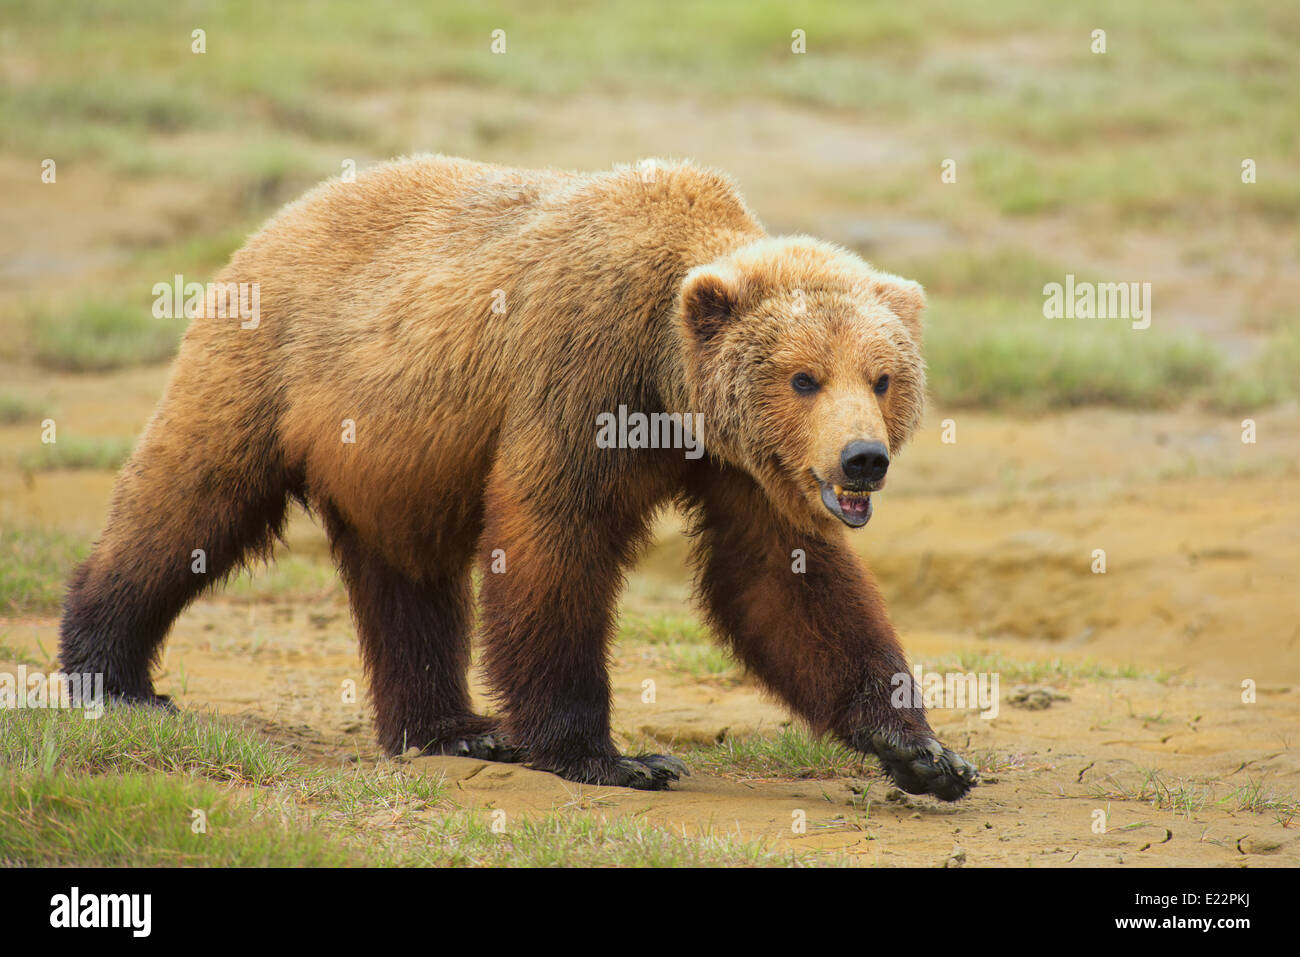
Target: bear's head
column 806, row 364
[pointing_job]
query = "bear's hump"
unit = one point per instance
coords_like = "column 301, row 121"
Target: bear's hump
column 680, row 190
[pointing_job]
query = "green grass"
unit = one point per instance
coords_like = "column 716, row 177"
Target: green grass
column 1256, row 798
column 363, row 790
column 18, row 655
column 1186, row 798
column 988, row 346
column 1048, row 118
column 1138, row 184
column 133, row 740
column 1273, row 376
column 78, row 453
column 121, row 791
column 35, row 561
column 730, row 47
column 573, row 839
column 288, row 575
column 1040, row 671
column 791, row 754
column 137, row 820
column 1150, row 135
column 34, row 564
column 1000, row 354
column 97, row 337
column 197, row 255
column 663, row 630
column 16, row 409
column 680, row 644
column 1004, row 273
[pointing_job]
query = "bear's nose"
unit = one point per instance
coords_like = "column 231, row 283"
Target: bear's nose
column 864, row 461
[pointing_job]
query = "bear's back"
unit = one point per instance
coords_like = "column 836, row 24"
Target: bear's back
column 441, row 241
column 434, row 301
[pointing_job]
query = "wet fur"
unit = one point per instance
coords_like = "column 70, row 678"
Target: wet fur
column 475, row 432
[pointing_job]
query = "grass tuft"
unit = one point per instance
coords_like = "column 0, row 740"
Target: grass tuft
column 987, row 354
column 131, row 739
column 792, row 754
column 679, row 644
column 78, row 453
column 15, row 410
column 34, row 564
column 97, row 337
column 141, row 820
column 1040, row 671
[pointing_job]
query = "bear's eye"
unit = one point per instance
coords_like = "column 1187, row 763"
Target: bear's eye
column 882, row 384
column 803, row 382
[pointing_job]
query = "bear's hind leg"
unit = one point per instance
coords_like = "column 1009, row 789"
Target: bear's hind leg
column 182, row 516
column 414, row 637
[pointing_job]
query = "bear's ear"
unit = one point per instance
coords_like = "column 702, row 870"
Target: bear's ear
column 905, row 299
column 710, row 300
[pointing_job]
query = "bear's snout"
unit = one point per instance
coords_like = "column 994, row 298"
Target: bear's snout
column 864, row 462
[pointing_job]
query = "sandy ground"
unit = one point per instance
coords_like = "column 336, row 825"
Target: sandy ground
column 984, row 546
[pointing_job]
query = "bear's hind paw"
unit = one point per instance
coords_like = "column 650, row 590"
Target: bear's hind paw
column 484, row 747
column 475, row 737
column 644, row 772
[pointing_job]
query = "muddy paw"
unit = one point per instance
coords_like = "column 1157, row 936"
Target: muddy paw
column 645, row 772
column 663, row 766
column 924, row 766
column 475, row 737
column 491, row 746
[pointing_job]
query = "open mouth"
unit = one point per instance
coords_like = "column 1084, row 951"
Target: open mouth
column 852, row 506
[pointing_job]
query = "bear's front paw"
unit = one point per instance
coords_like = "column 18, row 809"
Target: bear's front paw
column 924, row 766
column 645, row 772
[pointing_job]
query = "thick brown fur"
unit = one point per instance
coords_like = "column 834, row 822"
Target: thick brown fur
column 475, row 437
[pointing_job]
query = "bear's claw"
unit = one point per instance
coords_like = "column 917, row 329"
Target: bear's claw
column 664, row 765
column 644, row 772
column 489, row 746
column 924, row 766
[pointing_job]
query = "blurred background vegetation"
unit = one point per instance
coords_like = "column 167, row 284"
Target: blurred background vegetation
column 1117, row 167
column 1123, row 166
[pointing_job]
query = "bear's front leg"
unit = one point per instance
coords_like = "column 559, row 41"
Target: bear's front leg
column 551, row 574
column 806, row 617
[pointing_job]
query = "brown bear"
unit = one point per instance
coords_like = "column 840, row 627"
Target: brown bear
column 435, row 345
